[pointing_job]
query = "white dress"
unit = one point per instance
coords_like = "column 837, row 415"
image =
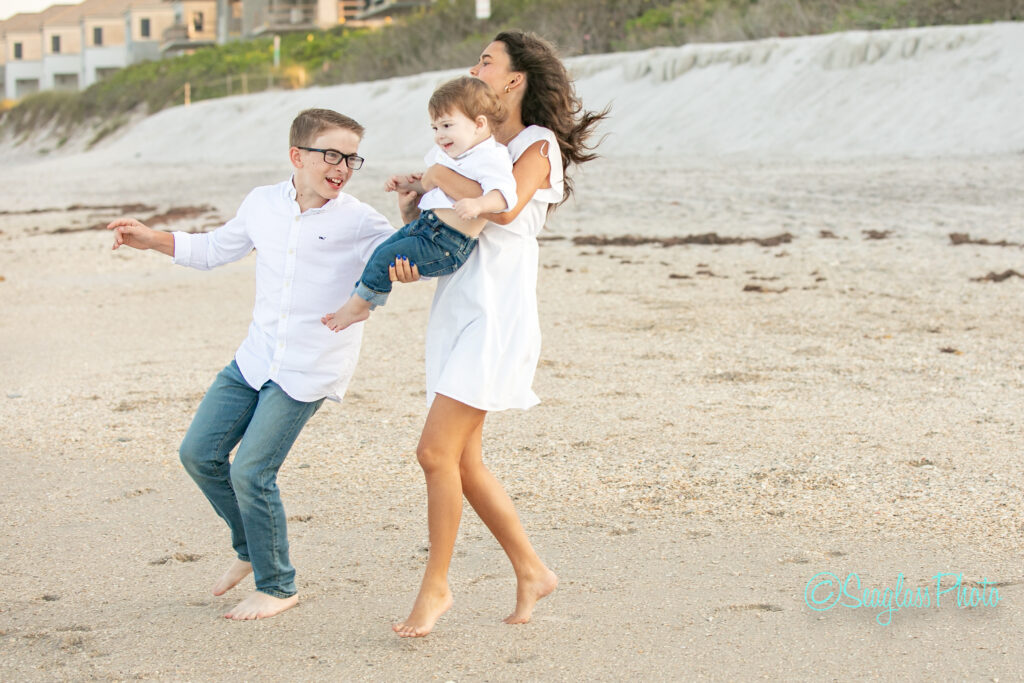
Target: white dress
column 483, row 336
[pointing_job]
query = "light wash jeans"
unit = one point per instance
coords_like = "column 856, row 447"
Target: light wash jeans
column 244, row 493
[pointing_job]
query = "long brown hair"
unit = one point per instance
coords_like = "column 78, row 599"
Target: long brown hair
column 469, row 95
column 550, row 99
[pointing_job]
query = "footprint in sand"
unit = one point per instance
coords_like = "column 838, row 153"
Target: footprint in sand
column 180, row 557
column 759, row 607
column 134, row 493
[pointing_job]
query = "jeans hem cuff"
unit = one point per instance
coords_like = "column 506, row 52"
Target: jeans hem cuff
column 371, row 296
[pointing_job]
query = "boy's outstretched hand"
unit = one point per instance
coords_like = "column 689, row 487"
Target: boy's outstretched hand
column 132, row 233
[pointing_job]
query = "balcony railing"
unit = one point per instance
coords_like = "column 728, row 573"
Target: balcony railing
column 176, row 33
column 376, row 8
column 178, row 37
column 288, row 17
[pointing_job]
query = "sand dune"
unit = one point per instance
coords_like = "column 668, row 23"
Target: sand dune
column 934, row 91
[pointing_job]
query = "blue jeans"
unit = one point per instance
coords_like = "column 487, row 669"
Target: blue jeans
column 244, row 493
column 434, row 246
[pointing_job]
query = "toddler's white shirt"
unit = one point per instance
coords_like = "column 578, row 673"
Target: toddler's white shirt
column 488, row 163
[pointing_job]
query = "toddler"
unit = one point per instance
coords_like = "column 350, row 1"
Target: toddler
column 462, row 113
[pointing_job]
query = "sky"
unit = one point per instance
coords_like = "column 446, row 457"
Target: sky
column 9, row 8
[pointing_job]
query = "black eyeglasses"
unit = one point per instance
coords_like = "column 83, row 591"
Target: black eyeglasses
column 334, row 157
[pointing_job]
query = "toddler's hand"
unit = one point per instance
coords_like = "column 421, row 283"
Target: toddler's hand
column 467, row 209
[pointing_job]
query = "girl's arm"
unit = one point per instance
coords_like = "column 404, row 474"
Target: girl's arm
column 531, row 172
column 455, row 185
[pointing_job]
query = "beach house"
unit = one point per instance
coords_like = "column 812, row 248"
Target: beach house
column 70, row 47
column 195, row 25
column 241, row 19
column 104, row 50
column 3, row 58
column 62, row 50
column 145, row 22
column 23, row 52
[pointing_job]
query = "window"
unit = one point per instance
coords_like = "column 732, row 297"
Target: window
column 197, row 21
column 17, row 50
column 55, row 44
column 25, row 86
column 65, row 81
column 144, row 28
column 97, row 36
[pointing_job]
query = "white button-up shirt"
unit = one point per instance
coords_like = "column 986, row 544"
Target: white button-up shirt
column 306, row 266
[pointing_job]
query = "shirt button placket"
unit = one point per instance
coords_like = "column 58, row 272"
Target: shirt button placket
column 281, row 345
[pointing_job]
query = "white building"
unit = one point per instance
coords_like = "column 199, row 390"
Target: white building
column 145, row 22
column 23, row 52
column 62, row 50
column 242, row 19
column 70, row 47
column 3, row 58
column 195, row 26
column 103, row 39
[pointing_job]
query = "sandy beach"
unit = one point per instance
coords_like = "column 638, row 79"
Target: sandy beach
column 757, row 367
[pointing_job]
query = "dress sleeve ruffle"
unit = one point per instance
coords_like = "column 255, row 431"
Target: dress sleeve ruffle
column 530, row 221
column 522, row 142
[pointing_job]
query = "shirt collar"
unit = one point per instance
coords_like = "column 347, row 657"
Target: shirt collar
column 291, row 194
column 483, row 144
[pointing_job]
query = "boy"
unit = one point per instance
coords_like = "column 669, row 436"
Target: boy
column 462, row 113
column 311, row 241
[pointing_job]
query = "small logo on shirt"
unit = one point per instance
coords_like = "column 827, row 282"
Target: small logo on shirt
column 321, row 237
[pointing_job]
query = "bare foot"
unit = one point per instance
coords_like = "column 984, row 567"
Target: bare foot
column 354, row 310
column 528, row 592
column 260, row 606
column 238, row 571
column 429, row 606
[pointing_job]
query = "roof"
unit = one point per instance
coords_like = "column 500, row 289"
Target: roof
column 69, row 15
column 34, row 21
column 103, row 8
column 24, row 21
column 161, row 4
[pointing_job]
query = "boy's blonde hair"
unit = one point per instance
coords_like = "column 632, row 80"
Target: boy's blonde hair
column 469, row 95
column 311, row 122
